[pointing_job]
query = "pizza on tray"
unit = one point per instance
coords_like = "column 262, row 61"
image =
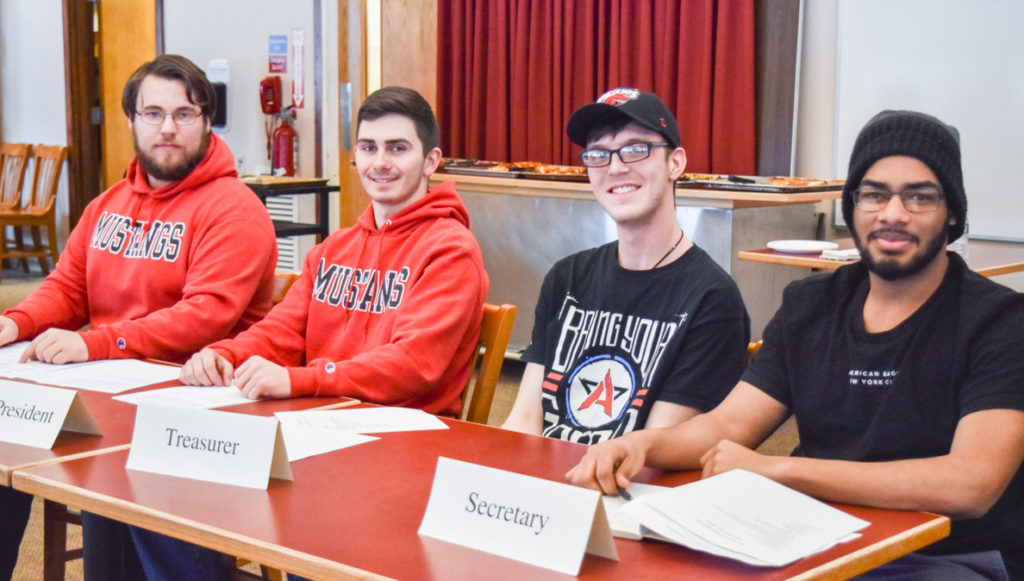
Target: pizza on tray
column 800, row 182
column 537, row 167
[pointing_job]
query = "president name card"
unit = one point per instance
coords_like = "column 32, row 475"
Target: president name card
column 33, row 415
column 537, row 521
column 209, row 445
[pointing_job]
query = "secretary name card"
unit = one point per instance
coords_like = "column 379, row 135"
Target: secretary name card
column 215, row 446
column 537, row 521
column 33, row 415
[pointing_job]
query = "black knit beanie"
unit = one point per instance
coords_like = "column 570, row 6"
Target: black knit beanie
column 916, row 135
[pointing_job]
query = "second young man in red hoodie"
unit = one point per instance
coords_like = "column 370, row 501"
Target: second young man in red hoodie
column 388, row 310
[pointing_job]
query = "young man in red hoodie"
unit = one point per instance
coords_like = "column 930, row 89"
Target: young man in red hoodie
column 386, row 311
column 174, row 256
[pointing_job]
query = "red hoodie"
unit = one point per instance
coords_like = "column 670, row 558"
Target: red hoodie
column 389, row 316
column 161, row 273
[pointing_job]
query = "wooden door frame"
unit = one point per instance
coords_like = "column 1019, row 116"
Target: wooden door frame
column 81, row 92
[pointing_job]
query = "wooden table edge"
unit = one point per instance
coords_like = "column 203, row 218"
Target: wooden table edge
column 797, row 260
column 218, row 539
column 999, row 269
column 13, row 469
column 869, row 557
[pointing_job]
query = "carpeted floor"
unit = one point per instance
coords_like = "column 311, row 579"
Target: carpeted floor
column 15, row 285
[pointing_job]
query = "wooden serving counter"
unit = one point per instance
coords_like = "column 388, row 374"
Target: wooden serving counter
column 725, row 195
column 524, row 225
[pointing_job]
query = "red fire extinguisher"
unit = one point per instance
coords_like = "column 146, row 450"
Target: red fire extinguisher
column 285, row 150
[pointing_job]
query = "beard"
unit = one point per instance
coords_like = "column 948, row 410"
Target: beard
column 891, row 269
column 171, row 172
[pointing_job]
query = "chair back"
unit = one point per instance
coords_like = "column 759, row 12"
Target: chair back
column 13, row 162
column 495, row 330
column 282, row 282
column 752, row 348
column 48, row 161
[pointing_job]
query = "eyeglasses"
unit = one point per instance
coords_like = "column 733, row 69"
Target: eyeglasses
column 180, row 117
column 630, row 153
column 916, row 199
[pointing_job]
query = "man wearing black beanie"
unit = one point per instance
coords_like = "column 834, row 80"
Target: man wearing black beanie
column 903, row 372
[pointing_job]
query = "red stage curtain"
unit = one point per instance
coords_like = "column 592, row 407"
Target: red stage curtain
column 510, row 72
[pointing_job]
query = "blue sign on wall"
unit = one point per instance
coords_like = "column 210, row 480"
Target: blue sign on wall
column 278, row 44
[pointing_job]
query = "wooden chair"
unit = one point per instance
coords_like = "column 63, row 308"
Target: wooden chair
column 495, row 330
column 40, row 211
column 282, row 282
column 56, row 518
column 13, row 162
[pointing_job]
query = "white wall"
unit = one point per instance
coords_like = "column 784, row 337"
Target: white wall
column 818, row 149
column 960, row 61
column 32, row 73
column 238, row 30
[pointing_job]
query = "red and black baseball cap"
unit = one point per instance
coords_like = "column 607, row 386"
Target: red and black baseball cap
column 639, row 106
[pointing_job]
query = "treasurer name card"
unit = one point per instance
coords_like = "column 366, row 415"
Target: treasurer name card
column 33, row 415
column 214, row 446
column 537, row 521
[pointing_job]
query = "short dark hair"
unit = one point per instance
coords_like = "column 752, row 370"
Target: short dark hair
column 610, row 125
column 408, row 103
column 178, row 68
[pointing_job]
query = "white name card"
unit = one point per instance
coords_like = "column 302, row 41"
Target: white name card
column 544, row 523
column 209, row 445
column 33, row 415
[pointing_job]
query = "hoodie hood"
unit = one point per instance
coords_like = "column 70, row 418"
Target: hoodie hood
column 441, row 201
column 217, row 163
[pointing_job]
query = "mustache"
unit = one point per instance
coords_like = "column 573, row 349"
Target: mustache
column 890, row 232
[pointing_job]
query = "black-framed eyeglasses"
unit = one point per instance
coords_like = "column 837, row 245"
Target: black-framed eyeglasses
column 916, row 199
column 180, row 117
column 629, row 153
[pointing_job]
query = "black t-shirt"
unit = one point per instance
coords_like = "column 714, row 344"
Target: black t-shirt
column 613, row 341
column 899, row 394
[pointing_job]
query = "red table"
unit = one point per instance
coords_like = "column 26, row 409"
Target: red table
column 354, row 513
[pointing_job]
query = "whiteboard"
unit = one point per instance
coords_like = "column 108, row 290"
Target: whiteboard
column 962, row 62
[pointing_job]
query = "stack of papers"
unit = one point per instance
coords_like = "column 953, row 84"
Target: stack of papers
column 106, row 375
column 742, row 516
column 848, row 254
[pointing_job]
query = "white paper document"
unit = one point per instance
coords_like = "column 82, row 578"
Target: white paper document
column 311, row 432
column 188, row 396
column 624, row 525
column 376, row 420
column 106, row 375
column 744, row 516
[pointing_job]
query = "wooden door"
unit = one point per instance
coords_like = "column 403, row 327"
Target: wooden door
column 127, row 38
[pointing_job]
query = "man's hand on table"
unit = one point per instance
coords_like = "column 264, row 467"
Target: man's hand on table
column 57, row 346
column 207, row 368
column 258, row 378
column 608, row 466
